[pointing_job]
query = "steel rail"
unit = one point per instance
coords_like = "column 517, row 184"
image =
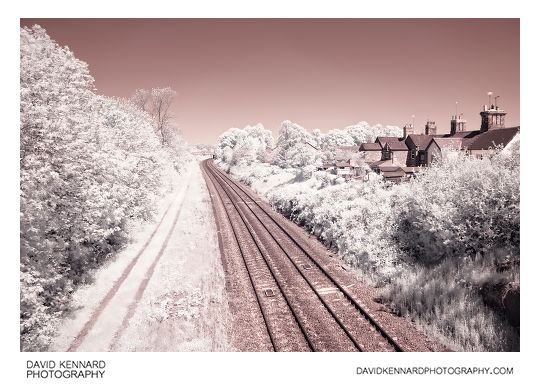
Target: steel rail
column 265, row 316
column 345, row 292
column 313, row 289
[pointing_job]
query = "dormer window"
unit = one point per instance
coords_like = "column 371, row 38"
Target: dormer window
column 386, row 153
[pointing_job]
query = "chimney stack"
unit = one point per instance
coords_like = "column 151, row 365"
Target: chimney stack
column 457, row 124
column 408, row 129
column 431, row 128
column 492, row 117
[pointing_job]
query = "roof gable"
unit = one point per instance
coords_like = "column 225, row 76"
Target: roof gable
column 397, row 146
column 382, row 140
column 370, row 147
column 418, row 141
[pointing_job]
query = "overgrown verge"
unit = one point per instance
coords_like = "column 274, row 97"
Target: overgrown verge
column 90, row 167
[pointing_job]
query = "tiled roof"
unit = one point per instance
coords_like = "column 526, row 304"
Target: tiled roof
column 491, row 138
column 397, row 146
column 420, row 141
column 463, row 134
column 370, row 147
column 385, row 139
column 453, row 143
column 483, row 140
column 394, row 174
column 390, row 169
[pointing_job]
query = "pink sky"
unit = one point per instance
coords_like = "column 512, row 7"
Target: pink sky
column 320, row 73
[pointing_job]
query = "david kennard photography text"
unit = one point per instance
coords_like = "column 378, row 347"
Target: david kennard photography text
column 65, row 369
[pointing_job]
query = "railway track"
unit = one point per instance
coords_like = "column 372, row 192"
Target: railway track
column 303, row 305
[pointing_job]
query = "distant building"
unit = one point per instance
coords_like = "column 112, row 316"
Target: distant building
column 345, row 168
column 412, row 151
column 436, row 145
column 475, row 143
column 417, row 146
column 395, row 152
column 371, row 151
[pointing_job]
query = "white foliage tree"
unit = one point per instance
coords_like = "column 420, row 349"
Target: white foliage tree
column 335, row 138
column 293, row 146
column 89, row 165
column 244, row 145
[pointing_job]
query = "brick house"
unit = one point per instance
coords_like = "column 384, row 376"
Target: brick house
column 436, row 145
column 396, row 152
column 474, row 143
column 417, row 146
column 412, row 151
column 371, row 152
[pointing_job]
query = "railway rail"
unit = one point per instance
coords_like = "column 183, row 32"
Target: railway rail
column 303, row 304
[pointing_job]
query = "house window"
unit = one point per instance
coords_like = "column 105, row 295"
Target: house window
column 412, row 154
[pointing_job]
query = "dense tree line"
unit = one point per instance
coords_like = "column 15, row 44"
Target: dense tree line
column 295, row 146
